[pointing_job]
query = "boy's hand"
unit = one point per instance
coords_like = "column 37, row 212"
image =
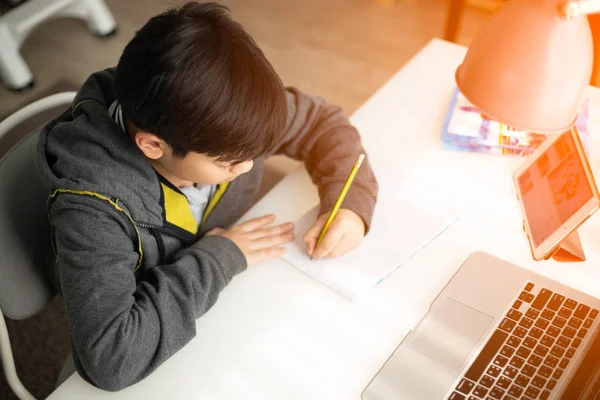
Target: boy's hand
column 345, row 233
column 257, row 241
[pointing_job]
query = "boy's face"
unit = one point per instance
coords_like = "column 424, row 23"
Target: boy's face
column 193, row 168
column 200, row 168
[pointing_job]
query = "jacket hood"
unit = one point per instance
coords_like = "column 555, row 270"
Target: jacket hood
column 85, row 150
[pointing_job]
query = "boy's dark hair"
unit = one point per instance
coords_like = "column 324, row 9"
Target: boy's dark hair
column 194, row 77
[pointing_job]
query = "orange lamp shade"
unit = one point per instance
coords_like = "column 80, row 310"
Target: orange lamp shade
column 529, row 66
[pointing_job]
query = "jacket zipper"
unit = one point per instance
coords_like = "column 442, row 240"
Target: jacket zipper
column 162, row 230
column 147, row 226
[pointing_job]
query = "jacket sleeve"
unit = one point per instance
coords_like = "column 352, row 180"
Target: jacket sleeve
column 321, row 135
column 122, row 330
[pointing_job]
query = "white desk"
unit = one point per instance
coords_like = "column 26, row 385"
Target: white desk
column 277, row 334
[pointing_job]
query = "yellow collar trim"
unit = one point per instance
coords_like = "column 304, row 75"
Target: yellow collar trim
column 177, row 210
column 214, row 200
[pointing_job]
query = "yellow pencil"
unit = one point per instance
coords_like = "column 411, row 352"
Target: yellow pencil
column 340, row 199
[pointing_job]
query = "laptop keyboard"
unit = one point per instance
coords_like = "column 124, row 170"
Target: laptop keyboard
column 529, row 350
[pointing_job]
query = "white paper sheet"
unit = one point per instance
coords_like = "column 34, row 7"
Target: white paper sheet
column 400, row 228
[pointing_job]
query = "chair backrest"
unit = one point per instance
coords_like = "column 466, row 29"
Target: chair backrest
column 25, row 247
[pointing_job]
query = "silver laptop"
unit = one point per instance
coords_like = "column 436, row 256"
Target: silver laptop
column 498, row 331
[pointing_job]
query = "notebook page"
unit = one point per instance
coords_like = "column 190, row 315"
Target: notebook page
column 400, row 228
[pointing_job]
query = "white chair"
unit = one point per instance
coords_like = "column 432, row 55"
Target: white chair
column 24, row 233
column 19, row 22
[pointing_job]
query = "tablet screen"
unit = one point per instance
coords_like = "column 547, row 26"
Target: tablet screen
column 554, row 188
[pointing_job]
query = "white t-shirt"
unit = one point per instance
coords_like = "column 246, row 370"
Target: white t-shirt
column 197, row 195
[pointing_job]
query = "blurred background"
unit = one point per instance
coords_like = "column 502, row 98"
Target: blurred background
column 341, row 50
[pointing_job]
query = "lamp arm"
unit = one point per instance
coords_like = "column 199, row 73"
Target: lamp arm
column 575, row 8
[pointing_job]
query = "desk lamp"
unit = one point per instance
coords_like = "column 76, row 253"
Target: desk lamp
column 530, row 65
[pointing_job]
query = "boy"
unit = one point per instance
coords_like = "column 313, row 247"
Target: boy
column 154, row 162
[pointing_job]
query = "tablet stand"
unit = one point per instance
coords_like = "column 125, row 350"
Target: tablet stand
column 570, row 249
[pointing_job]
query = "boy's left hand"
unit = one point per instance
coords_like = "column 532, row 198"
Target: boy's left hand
column 345, row 233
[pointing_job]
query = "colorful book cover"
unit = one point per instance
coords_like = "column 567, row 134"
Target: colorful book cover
column 466, row 129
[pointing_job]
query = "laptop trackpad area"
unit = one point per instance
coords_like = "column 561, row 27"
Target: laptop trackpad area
column 449, row 332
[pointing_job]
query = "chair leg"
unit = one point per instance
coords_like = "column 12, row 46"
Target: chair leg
column 16, row 25
column 99, row 18
column 455, row 11
column 8, row 363
column 14, row 71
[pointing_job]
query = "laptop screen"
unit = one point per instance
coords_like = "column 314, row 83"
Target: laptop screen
column 554, row 188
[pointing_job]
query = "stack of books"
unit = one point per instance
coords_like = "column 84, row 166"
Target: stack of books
column 466, row 129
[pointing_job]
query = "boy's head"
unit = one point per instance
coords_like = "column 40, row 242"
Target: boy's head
column 199, row 96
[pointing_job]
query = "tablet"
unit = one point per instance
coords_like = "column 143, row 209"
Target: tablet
column 556, row 191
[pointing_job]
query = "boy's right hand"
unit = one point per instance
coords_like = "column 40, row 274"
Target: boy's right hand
column 257, row 241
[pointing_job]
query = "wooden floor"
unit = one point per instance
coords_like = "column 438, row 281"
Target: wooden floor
column 342, row 50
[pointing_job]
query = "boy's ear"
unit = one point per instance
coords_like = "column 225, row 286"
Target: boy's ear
column 150, row 144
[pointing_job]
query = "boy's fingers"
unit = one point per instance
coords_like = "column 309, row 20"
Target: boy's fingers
column 257, row 223
column 315, row 230
column 266, row 254
column 343, row 247
column 310, row 241
column 272, row 241
column 329, row 242
column 310, row 247
column 311, row 236
column 273, row 252
column 273, row 230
